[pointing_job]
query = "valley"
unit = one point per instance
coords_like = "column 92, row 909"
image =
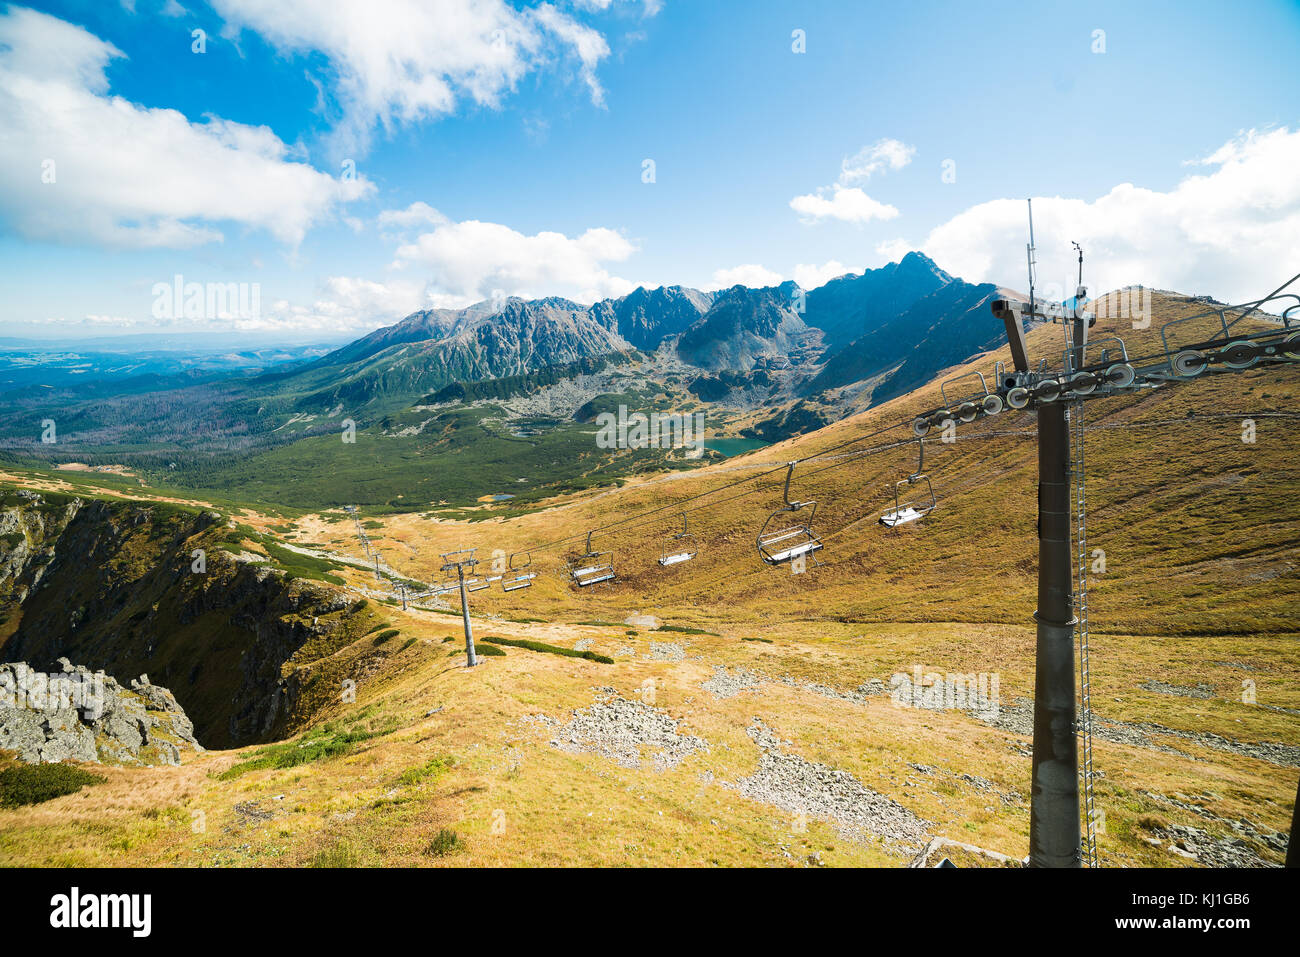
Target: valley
column 716, row 712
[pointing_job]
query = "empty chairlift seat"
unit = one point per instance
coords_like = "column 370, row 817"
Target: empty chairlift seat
column 680, row 547
column 516, row 576
column 783, row 544
column 594, row 567
column 904, row 512
column 787, row 544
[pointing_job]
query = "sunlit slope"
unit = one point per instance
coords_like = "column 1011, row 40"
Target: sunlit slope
column 1200, row 529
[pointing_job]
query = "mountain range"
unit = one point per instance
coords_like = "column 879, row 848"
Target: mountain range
column 903, row 322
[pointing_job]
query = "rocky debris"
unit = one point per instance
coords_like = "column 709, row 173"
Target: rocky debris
column 1194, row 844
column 582, row 644
column 728, row 685
column 250, row 813
column 620, row 729
column 1240, row 665
column 1241, row 827
column 641, row 621
column 799, row 786
column 80, row 715
column 937, row 844
column 721, row 682
column 1019, row 719
column 1199, row 690
column 665, row 651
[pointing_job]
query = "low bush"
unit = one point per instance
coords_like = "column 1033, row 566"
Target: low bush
column 34, row 783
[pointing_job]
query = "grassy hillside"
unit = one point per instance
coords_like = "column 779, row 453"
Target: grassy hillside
column 526, row 759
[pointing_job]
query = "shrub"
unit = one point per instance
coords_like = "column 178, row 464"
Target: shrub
column 433, row 768
column 446, row 842
column 384, row 636
column 480, row 650
column 33, row 783
column 288, row 754
column 548, row 649
column 339, row 854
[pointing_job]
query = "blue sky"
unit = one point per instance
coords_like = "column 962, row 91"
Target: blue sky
column 520, row 133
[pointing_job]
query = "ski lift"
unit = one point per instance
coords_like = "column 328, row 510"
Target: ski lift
column 904, row 512
column 784, row 545
column 684, row 547
column 520, row 578
column 595, row 567
column 477, row 584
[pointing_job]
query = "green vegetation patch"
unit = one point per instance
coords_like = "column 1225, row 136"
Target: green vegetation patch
column 431, row 770
column 445, row 842
column 548, row 649
column 34, row 783
column 328, row 742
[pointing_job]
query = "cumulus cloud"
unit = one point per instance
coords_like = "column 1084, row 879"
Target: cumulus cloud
column 471, row 261
column 811, row 276
column 77, row 164
column 749, row 274
column 1233, row 232
column 395, row 62
column 343, row 304
column 418, row 213
column 884, row 154
column 846, row 202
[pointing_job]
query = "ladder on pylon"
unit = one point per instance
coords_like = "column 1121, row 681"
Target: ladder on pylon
column 1079, row 474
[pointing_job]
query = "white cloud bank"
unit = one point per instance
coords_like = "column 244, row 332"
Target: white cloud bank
column 396, row 62
column 848, row 203
column 1233, row 232
column 471, row 261
column 128, row 176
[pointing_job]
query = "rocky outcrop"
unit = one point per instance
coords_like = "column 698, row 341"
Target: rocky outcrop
column 80, row 715
column 114, row 586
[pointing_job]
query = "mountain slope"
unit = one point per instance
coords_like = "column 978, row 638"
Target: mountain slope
column 854, row 305
column 645, row 317
column 524, row 336
column 744, row 325
column 939, row 330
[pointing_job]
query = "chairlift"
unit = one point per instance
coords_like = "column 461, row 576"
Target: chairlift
column 784, row 545
column 683, row 546
column 595, row 567
column 517, row 578
column 477, row 584
column 904, row 512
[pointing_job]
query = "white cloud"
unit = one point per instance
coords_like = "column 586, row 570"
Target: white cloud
column 472, row 260
column 418, row 213
column 589, row 46
column 849, row 203
column 750, row 274
column 893, row 249
column 397, row 62
column 811, row 276
column 129, row 176
column 881, row 155
column 1233, row 233
column 344, row 304
column 846, row 203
